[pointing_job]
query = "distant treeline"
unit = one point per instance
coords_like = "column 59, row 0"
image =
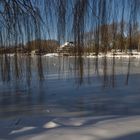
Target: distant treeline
column 110, row 37
column 114, row 40
column 40, row 46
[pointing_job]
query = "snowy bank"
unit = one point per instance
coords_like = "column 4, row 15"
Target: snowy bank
column 64, row 128
column 51, row 54
column 116, row 55
column 100, row 55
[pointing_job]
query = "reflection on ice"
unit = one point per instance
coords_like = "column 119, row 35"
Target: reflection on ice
column 67, row 86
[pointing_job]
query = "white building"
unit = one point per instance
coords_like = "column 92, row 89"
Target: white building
column 67, row 47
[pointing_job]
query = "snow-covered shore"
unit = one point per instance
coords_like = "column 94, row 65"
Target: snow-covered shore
column 65, row 128
column 108, row 55
column 133, row 54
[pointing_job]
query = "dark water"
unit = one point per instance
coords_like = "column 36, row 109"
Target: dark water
column 62, row 87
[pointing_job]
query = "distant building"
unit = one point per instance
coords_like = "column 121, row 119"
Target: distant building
column 67, row 47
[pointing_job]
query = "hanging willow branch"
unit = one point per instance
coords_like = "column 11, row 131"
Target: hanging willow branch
column 93, row 25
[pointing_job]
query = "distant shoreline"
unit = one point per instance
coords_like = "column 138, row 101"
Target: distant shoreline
column 90, row 55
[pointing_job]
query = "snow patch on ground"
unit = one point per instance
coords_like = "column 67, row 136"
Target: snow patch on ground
column 65, row 128
column 51, row 124
column 22, row 130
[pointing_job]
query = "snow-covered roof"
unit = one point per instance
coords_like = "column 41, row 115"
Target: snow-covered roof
column 67, row 44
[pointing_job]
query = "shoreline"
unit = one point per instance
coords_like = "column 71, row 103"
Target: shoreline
column 100, row 55
column 90, row 55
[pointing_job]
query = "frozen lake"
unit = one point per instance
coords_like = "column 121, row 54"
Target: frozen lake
column 61, row 86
